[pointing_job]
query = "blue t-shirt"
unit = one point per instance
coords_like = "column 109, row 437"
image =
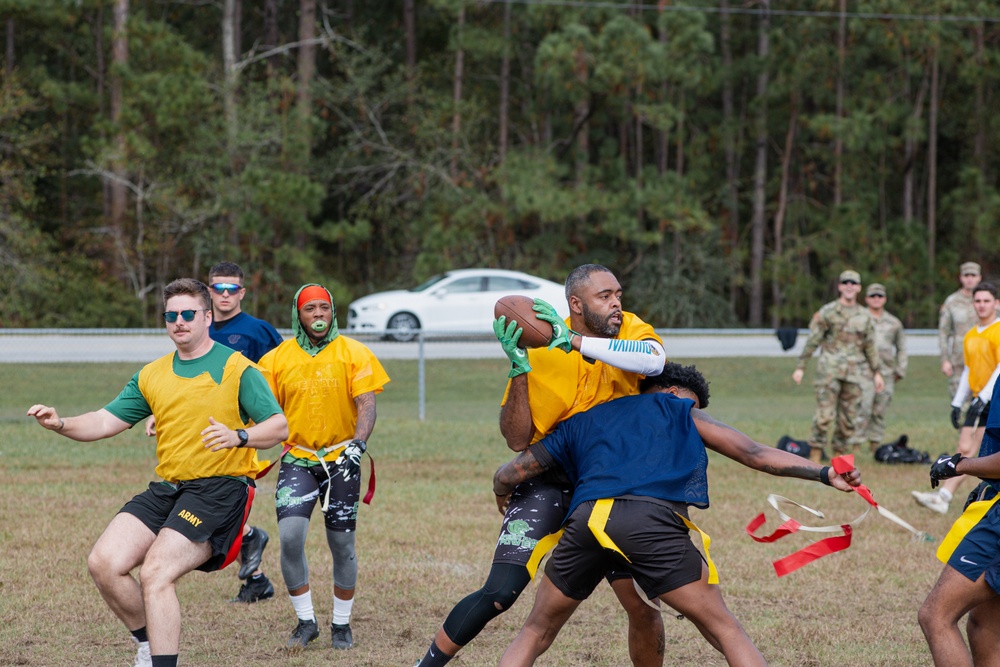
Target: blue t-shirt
column 247, row 334
column 645, row 445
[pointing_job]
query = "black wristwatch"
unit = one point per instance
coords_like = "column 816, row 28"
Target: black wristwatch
column 244, row 438
column 360, row 444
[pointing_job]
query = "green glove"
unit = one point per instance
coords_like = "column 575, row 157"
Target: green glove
column 562, row 335
column 508, row 335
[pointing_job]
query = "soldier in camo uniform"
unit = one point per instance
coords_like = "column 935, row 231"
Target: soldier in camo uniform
column 891, row 345
column 844, row 332
column 956, row 317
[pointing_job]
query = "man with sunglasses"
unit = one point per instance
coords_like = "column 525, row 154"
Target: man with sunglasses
column 890, row 341
column 205, row 397
column 230, row 325
column 253, row 338
column 848, row 360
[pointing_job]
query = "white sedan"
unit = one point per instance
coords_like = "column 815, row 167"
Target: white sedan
column 455, row 301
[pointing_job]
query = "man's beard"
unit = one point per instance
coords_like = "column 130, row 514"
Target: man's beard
column 599, row 326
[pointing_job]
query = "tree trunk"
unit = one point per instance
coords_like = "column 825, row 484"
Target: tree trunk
column 732, row 159
column 982, row 122
column 229, row 110
column 581, row 114
column 910, row 157
column 779, row 215
column 306, row 70
column 456, row 118
column 838, row 143
column 410, row 30
column 505, row 86
column 119, row 194
column 932, row 130
column 9, row 47
column 663, row 136
column 271, row 34
column 640, row 213
column 760, row 176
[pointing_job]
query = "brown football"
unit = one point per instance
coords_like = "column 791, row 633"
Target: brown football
column 535, row 332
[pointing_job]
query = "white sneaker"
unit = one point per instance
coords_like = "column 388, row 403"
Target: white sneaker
column 932, row 500
column 142, row 657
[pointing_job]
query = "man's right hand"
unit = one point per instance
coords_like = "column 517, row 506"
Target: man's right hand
column 562, row 336
column 797, row 376
column 956, row 417
column 509, row 335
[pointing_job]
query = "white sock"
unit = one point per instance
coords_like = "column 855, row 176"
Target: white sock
column 945, row 495
column 342, row 610
column 303, row 605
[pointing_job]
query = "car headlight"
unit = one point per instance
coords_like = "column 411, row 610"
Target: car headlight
column 372, row 306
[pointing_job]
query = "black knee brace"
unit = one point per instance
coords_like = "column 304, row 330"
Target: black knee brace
column 501, row 590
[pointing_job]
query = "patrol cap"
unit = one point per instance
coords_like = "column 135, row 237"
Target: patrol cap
column 850, row 275
column 875, row 288
column 970, row 269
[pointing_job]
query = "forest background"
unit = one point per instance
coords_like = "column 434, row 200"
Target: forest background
column 726, row 160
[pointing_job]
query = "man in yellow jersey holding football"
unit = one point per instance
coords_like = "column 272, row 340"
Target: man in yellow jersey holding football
column 326, row 384
column 585, row 364
column 204, row 397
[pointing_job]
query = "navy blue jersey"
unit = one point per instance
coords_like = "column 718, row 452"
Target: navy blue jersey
column 645, row 445
column 247, row 334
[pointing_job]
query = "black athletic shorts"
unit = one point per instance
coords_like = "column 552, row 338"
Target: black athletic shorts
column 212, row 509
column 971, row 421
column 651, row 534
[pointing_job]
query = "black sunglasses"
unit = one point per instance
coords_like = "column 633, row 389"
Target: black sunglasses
column 849, row 282
column 187, row 315
column 876, row 296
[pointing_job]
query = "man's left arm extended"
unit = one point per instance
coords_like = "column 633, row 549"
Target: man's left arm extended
column 736, row 445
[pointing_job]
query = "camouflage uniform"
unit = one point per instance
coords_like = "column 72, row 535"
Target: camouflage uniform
column 891, row 345
column 847, row 364
column 956, row 317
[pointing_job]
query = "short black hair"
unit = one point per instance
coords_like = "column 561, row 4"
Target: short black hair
column 682, row 377
column 985, row 287
column 227, row 269
column 580, row 275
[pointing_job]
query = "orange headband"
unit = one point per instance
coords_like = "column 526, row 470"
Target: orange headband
column 312, row 293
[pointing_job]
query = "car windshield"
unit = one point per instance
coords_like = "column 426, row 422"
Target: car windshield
column 429, row 282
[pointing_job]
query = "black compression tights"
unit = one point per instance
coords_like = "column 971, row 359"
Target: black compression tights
column 470, row 616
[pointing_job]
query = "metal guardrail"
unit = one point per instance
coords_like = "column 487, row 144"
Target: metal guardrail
column 144, row 345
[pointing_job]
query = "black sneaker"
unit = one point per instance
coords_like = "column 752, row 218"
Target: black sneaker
column 254, row 590
column 251, row 552
column 305, row 632
column 341, row 636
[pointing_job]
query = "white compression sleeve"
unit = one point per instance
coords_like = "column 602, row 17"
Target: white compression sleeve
column 645, row 357
column 963, row 390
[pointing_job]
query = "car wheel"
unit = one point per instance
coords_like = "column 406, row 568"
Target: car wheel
column 406, row 325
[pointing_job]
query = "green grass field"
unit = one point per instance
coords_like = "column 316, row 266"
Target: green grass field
column 428, row 537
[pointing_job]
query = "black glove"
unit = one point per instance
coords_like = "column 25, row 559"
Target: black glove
column 975, row 409
column 956, row 417
column 350, row 459
column 944, row 467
